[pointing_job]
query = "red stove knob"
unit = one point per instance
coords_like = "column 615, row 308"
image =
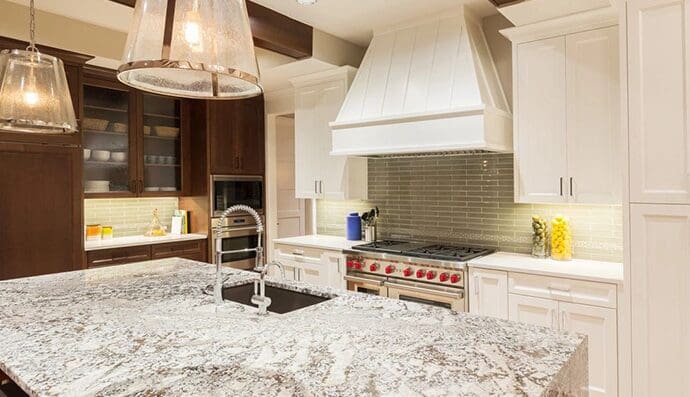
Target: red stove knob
column 390, row 269
column 350, row 264
column 357, row 265
column 407, row 272
column 373, row 267
column 455, row 278
column 430, row 275
column 421, row 273
column 443, row 277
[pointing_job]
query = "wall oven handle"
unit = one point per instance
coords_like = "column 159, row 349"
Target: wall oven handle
column 356, row 279
column 411, row 288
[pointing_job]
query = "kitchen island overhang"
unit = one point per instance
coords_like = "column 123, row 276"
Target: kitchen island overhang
column 147, row 328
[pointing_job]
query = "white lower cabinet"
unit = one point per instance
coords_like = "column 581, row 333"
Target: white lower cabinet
column 489, row 292
column 310, row 265
column 584, row 307
column 534, row 311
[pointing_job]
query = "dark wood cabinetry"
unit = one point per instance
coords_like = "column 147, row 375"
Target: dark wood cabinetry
column 194, row 250
column 40, row 209
column 236, row 134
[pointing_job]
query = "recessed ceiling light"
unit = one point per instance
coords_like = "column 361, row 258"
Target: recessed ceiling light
column 306, row 2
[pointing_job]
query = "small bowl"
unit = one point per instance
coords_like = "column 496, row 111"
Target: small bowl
column 87, row 154
column 100, row 155
column 119, row 157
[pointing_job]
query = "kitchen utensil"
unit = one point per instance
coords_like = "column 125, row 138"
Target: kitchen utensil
column 119, row 127
column 94, row 124
column 370, row 233
column 166, row 132
column 100, row 155
column 118, row 156
column 87, row 154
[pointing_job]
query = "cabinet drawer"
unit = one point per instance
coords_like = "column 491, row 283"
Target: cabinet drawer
column 193, row 250
column 118, row 256
column 298, row 254
column 563, row 289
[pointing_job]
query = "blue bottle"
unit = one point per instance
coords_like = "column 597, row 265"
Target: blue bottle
column 354, row 226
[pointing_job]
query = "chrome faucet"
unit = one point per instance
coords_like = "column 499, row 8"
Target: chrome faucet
column 260, row 299
column 259, row 266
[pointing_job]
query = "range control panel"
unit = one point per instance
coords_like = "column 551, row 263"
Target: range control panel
column 413, row 272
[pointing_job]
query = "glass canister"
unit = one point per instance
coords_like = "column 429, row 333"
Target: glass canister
column 540, row 237
column 107, row 232
column 561, row 239
column 93, row 232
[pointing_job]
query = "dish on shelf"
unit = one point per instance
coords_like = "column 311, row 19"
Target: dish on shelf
column 97, row 186
column 119, row 157
column 152, row 189
column 87, row 154
column 119, row 127
column 168, row 189
column 94, row 124
column 166, row 132
column 170, row 159
column 147, row 130
column 100, row 155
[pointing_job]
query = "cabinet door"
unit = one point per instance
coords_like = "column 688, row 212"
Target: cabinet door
column 540, row 121
column 534, row 311
column 658, row 103
column 40, row 210
column 249, row 142
column 660, row 298
column 594, row 144
column 334, row 179
column 489, row 293
column 308, row 142
column 599, row 324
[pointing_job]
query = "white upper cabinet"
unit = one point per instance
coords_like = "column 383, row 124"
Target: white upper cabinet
column 539, row 116
column 566, row 115
column 658, row 102
column 318, row 174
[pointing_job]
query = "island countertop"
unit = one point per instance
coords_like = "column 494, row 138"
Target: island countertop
column 147, row 329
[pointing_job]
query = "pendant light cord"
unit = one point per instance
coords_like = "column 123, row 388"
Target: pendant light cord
column 32, row 27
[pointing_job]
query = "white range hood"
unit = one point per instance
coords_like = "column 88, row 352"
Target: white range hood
column 425, row 88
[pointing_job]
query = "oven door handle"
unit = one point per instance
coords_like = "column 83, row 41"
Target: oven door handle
column 430, row 291
column 356, row 279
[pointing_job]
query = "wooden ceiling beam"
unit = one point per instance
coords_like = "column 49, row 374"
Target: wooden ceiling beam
column 273, row 31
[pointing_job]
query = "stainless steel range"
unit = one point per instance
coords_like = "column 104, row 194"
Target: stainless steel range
column 413, row 271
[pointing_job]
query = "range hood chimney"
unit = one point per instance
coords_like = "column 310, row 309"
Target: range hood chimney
column 425, row 88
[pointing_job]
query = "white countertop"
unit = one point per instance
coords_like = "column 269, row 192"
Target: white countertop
column 580, row 269
column 321, row 241
column 132, row 241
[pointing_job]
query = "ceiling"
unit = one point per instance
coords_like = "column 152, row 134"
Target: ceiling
column 354, row 20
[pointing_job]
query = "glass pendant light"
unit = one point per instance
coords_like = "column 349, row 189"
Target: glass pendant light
column 34, row 95
column 192, row 49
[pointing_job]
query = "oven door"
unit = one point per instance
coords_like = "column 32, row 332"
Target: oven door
column 366, row 284
column 227, row 191
column 237, row 239
column 449, row 298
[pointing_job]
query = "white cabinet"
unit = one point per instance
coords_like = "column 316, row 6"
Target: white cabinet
column 599, row 324
column 660, row 301
column 659, row 145
column 566, row 115
column 534, row 311
column 489, row 293
column 311, row 265
column 318, row 175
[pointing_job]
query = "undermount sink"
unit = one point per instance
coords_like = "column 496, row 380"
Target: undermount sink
column 282, row 300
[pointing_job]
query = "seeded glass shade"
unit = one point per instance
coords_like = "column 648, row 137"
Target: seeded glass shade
column 34, row 95
column 192, row 49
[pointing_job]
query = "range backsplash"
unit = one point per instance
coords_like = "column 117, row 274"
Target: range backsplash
column 129, row 217
column 468, row 199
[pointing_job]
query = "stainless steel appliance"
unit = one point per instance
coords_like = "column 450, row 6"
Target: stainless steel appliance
column 239, row 234
column 418, row 272
column 229, row 190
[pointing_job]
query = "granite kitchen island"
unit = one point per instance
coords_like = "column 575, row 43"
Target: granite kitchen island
column 147, row 329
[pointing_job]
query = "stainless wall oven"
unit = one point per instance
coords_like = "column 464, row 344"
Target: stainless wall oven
column 240, row 234
column 229, row 190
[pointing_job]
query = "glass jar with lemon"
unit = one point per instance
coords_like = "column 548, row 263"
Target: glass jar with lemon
column 561, row 239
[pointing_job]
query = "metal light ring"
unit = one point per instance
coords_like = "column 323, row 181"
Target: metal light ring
column 186, row 65
column 46, row 128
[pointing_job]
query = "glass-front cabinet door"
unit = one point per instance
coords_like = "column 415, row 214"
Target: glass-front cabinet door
column 162, row 157
column 107, row 141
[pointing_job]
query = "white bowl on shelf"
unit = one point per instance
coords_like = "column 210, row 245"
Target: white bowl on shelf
column 100, row 155
column 119, row 157
column 97, row 186
column 87, row 154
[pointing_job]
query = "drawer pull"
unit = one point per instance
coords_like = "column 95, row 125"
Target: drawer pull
column 298, row 252
column 559, row 287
